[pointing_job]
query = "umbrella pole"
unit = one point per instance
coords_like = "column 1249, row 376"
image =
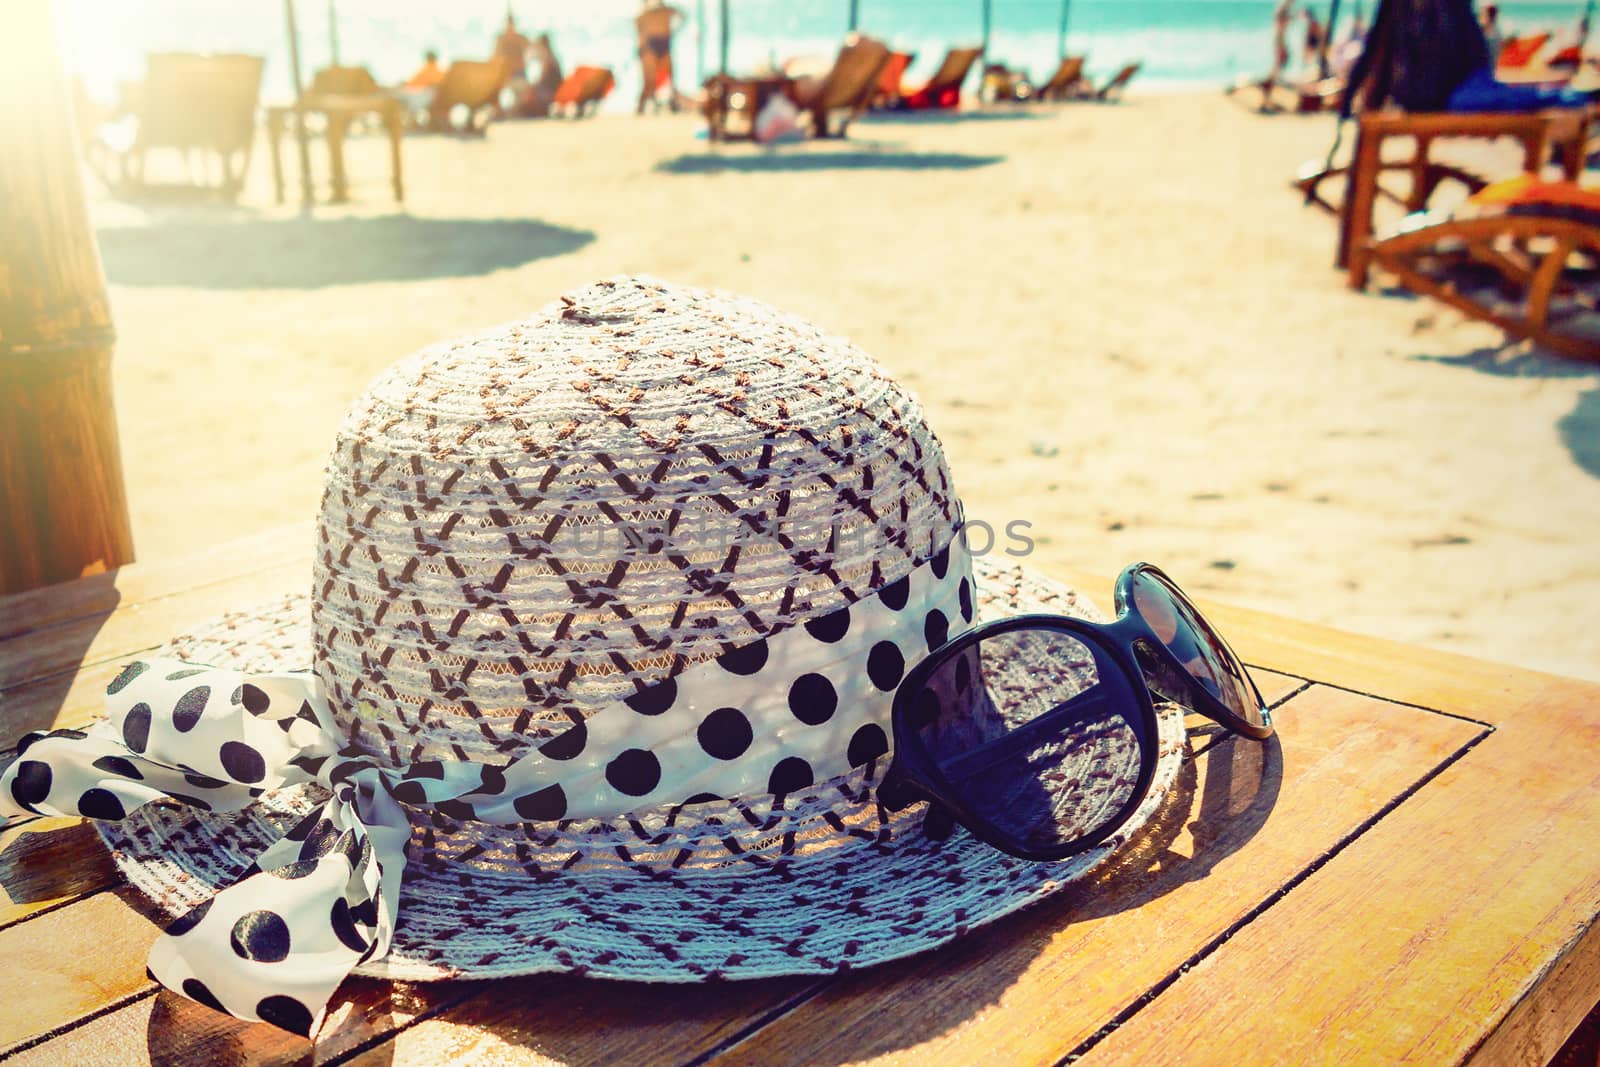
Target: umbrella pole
column 722, row 30
column 1327, row 40
column 986, row 21
column 1061, row 35
column 302, row 138
column 855, row 15
column 333, row 35
column 63, row 504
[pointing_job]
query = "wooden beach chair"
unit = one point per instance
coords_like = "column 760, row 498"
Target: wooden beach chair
column 1112, row 89
column 1067, row 83
column 890, row 79
column 847, row 87
column 580, row 92
column 1525, row 257
column 469, row 83
column 189, row 103
column 943, row 90
column 343, row 81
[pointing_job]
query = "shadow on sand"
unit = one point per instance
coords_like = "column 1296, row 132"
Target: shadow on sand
column 1580, row 427
column 780, row 161
column 231, row 252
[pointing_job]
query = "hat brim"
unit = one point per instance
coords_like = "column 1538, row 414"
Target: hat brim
column 862, row 903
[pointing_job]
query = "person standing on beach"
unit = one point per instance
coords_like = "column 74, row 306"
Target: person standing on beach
column 655, row 25
column 1490, row 21
column 1311, row 57
column 1281, row 18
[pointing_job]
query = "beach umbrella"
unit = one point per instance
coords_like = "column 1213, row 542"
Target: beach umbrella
column 1061, row 37
column 722, row 29
column 302, row 138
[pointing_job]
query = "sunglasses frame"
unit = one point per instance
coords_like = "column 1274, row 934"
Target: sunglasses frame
column 914, row 774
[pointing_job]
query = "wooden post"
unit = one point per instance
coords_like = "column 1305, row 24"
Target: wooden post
column 63, row 507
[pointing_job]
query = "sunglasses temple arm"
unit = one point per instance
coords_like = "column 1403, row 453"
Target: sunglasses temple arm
column 1085, row 706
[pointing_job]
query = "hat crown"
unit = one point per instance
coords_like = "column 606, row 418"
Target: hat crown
column 522, row 527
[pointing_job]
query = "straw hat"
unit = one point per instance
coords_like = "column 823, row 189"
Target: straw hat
column 643, row 571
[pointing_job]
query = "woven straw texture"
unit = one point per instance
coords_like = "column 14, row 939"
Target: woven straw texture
column 522, row 527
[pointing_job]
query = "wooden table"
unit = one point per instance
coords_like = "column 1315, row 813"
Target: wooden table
column 1535, row 131
column 729, row 94
column 1410, row 872
column 339, row 110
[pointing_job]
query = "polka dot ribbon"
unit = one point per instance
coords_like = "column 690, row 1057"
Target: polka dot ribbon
column 775, row 716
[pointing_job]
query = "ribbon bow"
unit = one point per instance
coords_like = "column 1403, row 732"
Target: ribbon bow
column 276, row 944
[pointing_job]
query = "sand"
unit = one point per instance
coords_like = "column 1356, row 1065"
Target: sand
column 1124, row 326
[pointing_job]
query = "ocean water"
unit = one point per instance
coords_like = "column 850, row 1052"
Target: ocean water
column 1182, row 43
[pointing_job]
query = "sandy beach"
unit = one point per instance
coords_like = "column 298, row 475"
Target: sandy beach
column 1124, row 326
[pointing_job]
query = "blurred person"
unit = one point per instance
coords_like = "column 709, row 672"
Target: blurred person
column 655, row 24
column 1311, row 52
column 1489, row 20
column 1282, row 15
column 418, row 91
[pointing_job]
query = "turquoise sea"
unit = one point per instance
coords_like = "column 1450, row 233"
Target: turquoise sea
column 1183, row 43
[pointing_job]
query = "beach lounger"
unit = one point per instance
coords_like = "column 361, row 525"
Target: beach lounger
column 580, row 92
column 1067, row 83
column 847, row 86
column 1518, row 52
column 890, row 78
column 943, row 90
column 189, row 103
column 1119, row 81
column 1523, row 255
column 469, row 83
column 343, row 81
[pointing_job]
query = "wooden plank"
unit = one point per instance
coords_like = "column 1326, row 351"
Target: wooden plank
column 554, row 1019
column 164, row 1028
column 98, row 638
column 1459, row 921
column 47, row 862
column 74, row 697
column 134, row 584
column 67, row 963
column 1032, row 987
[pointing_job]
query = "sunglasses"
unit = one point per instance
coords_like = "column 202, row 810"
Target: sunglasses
column 998, row 731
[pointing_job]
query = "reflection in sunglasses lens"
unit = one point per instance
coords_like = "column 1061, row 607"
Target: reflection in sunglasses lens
column 1187, row 635
column 1035, row 732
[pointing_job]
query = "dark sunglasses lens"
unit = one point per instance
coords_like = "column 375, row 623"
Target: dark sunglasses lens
column 1186, row 634
column 1037, row 733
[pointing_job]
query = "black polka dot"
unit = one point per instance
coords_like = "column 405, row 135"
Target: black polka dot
column 186, row 713
column 936, row 629
column 656, row 699
column 188, row 672
column 302, row 829
column 459, row 810
column 188, row 801
column 196, row 991
column 812, row 699
column 492, row 781
column 831, row 627
column 243, row 763
column 344, row 926
column 635, row 772
column 136, row 727
column 725, row 733
column 204, row 781
column 790, row 774
column 965, row 593
column 100, row 804
column 413, row 793
column 885, row 665
column 896, row 592
column 118, row 766
column 868, row 743
column 703, row 798
column 963, row 674
column 31, row 784
column 189, row 919
column 925, row 710
column 262, row 936
column 425, row 768
column 940, row 562
column 255, row 701
column 568, row 745
column 286, row 1013
column 747, row 659
column 129, row 673
column 290, row 871
column 324, row 838
column 547, row 805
